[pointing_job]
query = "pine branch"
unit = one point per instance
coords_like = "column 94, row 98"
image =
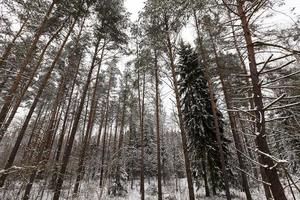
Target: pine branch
column 275, row 101
column 284, row 106
column 266, row 63
column 277, row 68
column 276, row 45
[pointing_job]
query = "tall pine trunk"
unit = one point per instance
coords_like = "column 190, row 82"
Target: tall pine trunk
column 19, row 98
column 202, row 52
column 86, row 140
column 179, row 112
column 69, row 146
column 233, row 125
column 21, row 134
column 28, row 57
column 270, row 170
column 141, row 116
column 105, row 133
column 64, row 125
column 157, row 126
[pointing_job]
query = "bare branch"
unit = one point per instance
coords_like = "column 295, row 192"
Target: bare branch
column 277, row 68
column 275, row 101
column 283, row 77
column 266, row 63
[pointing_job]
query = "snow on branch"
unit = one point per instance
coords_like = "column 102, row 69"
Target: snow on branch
column 283, row 77
column 247, row 157
column 279, row 118
column 248, row 112
column 251, row 176
column 275, row 101
column 276, row 160
column 276, row 45
column 284, row 106
column 277, row 68
column 15, row 169
column 275, row 59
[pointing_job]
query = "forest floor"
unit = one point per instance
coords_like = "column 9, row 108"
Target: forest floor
column 90, row 191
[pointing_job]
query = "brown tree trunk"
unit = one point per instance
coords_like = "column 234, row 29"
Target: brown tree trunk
column 251, row 103
column 157, row 127
column 37, row 137
column 117, row 123
column 19, row 98
column 214, row 110
column 103, row 154
column 41, row 160
column 233, row 125
column 120, row 141
column 63, row 130
column 86, row 140
column 9, row 47
column 21, row 134
column 100, row 127
column 29, row 55
column 180, row 115
column 45, row 146
column 68, row 149
column 141, row 116
column 32, row 135
column 270, row 169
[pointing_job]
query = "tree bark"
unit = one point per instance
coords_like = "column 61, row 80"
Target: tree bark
column 159, row 186
column 68, row 149
column 270, row 169
column 86, row 140
column 141, row 116
column 19, row 98
column 103, row 154
column 233, row 125
column 180, row 116
column 29, row 55
column 21, row 134
column 214, row 111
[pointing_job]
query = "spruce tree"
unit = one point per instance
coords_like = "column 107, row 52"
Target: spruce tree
column 198, row 119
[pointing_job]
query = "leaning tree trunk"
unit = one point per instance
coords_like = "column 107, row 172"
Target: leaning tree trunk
column 21, row 134
column 29, row 55
column 44, row 149
column 7, row 51
column 265, row 159
column 63, row 130
column 214, row 110
column 68, row 149
column 179, row 112
column 233, row 125
column 86, row 140
column 251, row 103
column 19, row 98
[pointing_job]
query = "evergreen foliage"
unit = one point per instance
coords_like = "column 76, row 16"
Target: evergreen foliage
column 198, row 117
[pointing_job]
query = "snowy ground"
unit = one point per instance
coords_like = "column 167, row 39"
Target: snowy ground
column 91, row 191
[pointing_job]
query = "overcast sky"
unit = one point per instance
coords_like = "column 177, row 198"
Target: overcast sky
column 134, row 6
